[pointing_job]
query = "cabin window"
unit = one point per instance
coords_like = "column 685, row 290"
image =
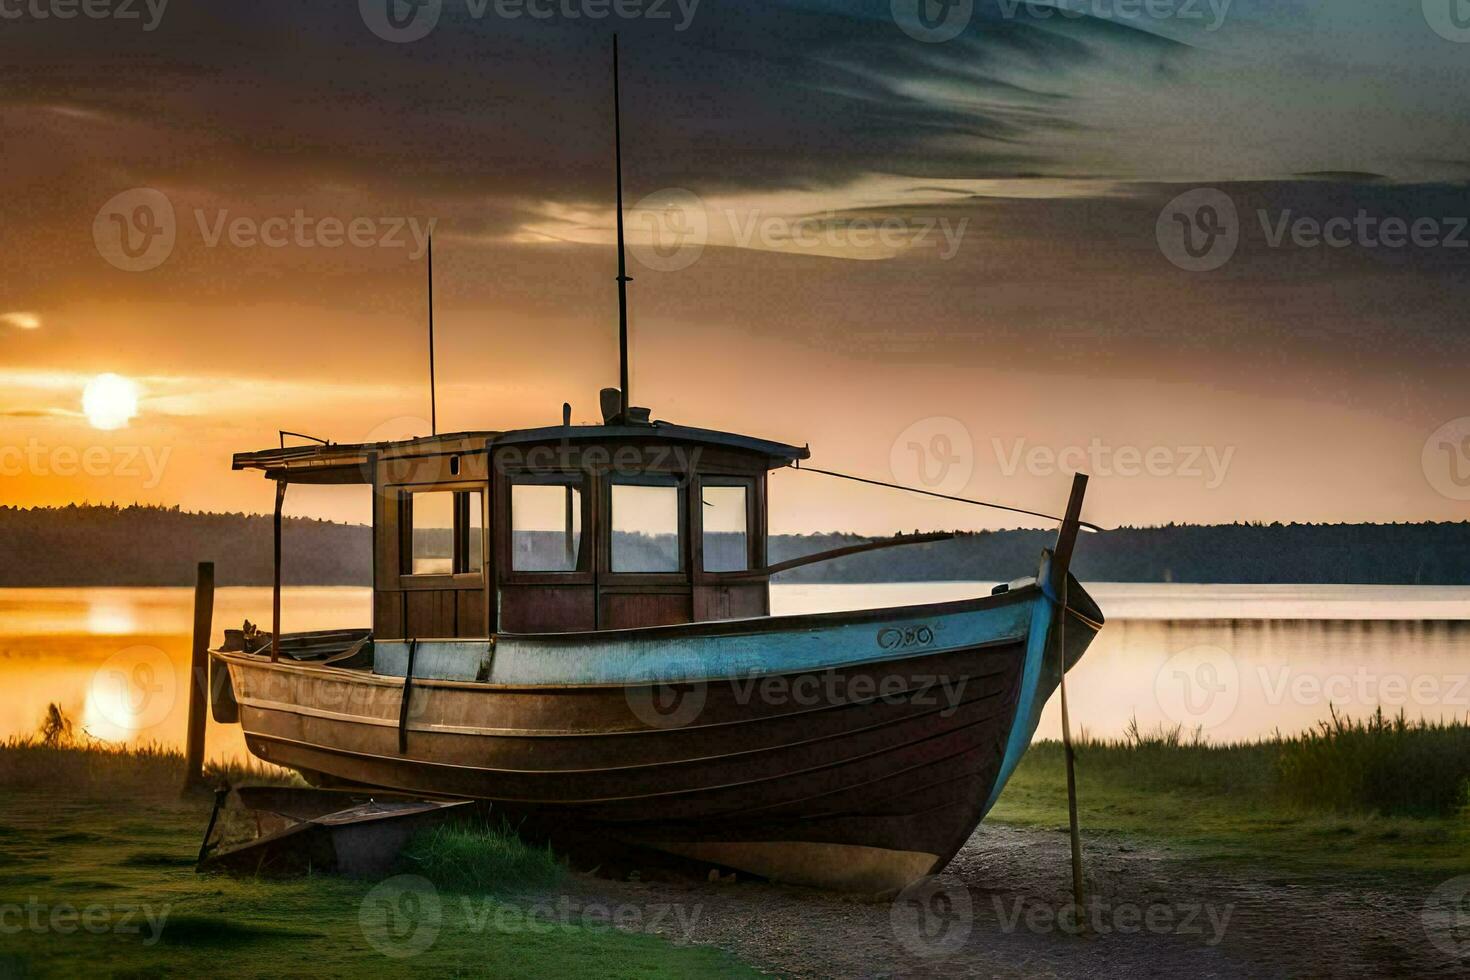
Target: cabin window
column 725, row 515
column 446, row 534
column 546, row 527
column 645, row 528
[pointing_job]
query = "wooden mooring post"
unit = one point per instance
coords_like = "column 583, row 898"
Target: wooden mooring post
column 199, row 675
column 1060, row 569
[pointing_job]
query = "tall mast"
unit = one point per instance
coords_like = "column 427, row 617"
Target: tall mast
column 433, row 407
column 623, row 278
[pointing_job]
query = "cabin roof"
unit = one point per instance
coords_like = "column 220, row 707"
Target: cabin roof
column 776, row 453
column 352, row 462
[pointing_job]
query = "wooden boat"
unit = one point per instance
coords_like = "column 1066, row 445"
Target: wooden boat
column 585, row 641
column 663, row 707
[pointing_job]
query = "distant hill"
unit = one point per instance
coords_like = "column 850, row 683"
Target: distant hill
column 136, row 545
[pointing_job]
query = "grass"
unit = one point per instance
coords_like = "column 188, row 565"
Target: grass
column 480, row 855
column 1388, row 766
column 93, row 831
column 88, row 767
column 1378, row 795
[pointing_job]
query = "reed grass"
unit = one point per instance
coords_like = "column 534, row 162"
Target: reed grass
column 57, row 757
column 1388, row 766
column 480, row 854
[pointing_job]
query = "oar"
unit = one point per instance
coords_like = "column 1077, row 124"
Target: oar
column 1060, row 567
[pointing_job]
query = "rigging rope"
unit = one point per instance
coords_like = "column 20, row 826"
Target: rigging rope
column 942, row 496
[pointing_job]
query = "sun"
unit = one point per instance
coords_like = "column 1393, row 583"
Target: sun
column 110, row 401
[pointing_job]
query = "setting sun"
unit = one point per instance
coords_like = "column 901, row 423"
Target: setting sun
column 110, row 401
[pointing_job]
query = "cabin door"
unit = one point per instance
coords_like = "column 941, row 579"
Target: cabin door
column 643, row 575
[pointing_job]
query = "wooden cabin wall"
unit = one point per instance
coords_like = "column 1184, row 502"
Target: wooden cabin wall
column 427, row 606
column 595, row 597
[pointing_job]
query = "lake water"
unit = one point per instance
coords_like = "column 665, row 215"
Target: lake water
column 1236, row 662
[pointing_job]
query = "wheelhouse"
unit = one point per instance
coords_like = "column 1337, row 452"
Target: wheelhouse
column 563, row 528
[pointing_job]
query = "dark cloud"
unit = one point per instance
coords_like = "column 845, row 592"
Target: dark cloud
column 750, row 95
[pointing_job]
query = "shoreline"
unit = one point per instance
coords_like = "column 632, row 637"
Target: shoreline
column 110, row 832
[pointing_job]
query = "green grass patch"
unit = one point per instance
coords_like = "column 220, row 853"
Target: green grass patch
column 94, row 829
column 220, row 931
column 480, row 855
column 1347, row 795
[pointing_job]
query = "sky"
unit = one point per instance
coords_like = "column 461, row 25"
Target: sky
column 1213, row 253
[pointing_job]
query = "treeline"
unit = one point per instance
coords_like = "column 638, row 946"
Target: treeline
column 1251, row 554
column 137, row 545
column 85, row 544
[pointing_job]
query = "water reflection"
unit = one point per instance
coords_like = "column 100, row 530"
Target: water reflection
column 116, row 660
column 109, row 614
column 1236, row 679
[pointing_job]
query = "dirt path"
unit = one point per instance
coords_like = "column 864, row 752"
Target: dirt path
column 993, row 913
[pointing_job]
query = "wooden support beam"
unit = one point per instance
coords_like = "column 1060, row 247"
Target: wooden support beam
column 1060, row 572
column 276, row 587
column 199, row 674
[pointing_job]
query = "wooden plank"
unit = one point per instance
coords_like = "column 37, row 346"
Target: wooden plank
column 547, row 608
column 388, row 615
column 421, row 611
column 446, row 614
column 626, row 610
column 470, row 616
column 276, row 587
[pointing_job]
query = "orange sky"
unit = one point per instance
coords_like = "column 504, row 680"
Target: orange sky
column 930, row 272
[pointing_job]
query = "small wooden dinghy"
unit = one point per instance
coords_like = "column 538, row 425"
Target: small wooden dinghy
column 303, row 831
column 573, row 622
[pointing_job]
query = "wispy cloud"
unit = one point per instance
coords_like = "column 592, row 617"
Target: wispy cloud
column 21, row 320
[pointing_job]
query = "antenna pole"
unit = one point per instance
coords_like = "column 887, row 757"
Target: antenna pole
column 623, row 279
column 433, row 407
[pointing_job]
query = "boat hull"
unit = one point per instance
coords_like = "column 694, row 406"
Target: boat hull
column 863, row 769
